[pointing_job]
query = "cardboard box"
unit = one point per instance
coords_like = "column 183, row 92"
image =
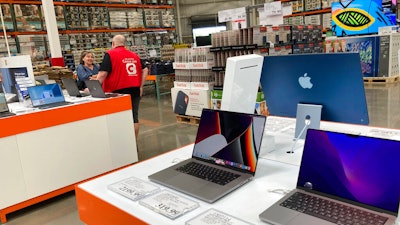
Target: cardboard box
column 260, row 107
column 189, row 102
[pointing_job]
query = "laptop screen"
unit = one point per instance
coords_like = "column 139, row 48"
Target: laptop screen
column 229, row 138
column 45, row 94
column 3, row 101
column 357, row 168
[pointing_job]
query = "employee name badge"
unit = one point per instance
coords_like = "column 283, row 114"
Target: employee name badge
column 215, row 217
column 133, row 188
column 169, row 204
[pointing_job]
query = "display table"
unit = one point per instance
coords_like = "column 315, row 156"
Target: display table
column 46, row 152
column 157, row 80
column 276, row 174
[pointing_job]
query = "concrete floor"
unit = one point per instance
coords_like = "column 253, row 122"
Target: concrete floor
column 160, row 132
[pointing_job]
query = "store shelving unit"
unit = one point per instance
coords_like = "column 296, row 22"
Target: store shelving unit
column 90, row 31
column 310, row 17
column 83, row 4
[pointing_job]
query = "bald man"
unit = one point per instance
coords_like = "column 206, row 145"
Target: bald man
column 123, row 72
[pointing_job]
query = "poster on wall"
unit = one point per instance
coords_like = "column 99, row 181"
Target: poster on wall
column 17, row 76
column 355, row 17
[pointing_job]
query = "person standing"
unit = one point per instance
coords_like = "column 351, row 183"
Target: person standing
column 122, row 71
column 86, row 69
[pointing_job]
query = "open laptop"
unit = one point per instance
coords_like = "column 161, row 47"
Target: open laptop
column 72, row 87
column 4, row 110
column 226, row 141
column 47, row 96
column 96, row 90
column 356, row 171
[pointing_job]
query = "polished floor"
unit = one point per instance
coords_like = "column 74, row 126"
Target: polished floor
column 159, row 132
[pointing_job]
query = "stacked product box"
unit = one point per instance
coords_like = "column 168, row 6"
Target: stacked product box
column 227, row 44
column 260, row 107
column 152, row 18
column 77, row 17
column 28, row 17
column 313, row 20
column 98, row 17
column 193, row 81
column 378, row 53
column 310, row 5
column 297, row 6
column 118, row 18
column 167, row 18
column 286, row 39
column 327, row 21
column 135, row 18
column 7, row 17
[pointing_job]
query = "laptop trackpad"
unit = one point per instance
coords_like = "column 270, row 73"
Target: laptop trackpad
column 186, row 182
column 304, row 219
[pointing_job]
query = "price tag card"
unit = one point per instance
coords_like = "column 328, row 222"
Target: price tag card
column 133, row 188
column 215, row 217
column 169, row 204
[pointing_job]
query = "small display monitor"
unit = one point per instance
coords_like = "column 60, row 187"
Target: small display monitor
column 332, row 80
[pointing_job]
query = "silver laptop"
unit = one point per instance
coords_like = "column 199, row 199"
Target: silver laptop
column 224, row 156
column 4, row 110
column 96, row 90
column 47, row 96
column 72, row 87
column 357, row 173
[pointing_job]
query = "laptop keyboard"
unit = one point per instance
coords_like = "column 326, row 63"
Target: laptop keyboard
column 6, row 114
column 331, row 211
column 208, row 173
column 56, row 104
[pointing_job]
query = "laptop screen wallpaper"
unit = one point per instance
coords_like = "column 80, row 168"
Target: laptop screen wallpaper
column 45, row 94
column 357, row 168
column 230, row 139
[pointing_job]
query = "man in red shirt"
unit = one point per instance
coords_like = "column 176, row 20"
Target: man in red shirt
column 123, row 72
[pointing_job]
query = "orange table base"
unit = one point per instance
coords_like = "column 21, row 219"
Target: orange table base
column 94, row 211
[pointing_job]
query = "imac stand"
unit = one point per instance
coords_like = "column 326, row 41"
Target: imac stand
column 307, row 116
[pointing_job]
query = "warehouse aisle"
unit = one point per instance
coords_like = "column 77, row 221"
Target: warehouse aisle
column 159, row 133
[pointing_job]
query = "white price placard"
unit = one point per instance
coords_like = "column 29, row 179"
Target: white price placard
column 215, row 217
column 169, row 204
column 133, row 188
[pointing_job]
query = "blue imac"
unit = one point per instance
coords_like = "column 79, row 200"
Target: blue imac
column 331, row 80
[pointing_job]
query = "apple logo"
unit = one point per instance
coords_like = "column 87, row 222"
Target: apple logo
column 305, row 81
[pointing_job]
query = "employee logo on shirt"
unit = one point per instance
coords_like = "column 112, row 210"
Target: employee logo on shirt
column 131, row 69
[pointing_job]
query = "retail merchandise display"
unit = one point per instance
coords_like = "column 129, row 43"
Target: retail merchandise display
column 378, row 53
column 7, row 17
column 193, row 80
column 309, row 12
column 28, row 17
column 264, row 40
column 90, row 26
column 11, row 44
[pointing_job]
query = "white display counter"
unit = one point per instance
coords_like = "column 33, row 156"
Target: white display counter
column 276, row 174
column 46, row 152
